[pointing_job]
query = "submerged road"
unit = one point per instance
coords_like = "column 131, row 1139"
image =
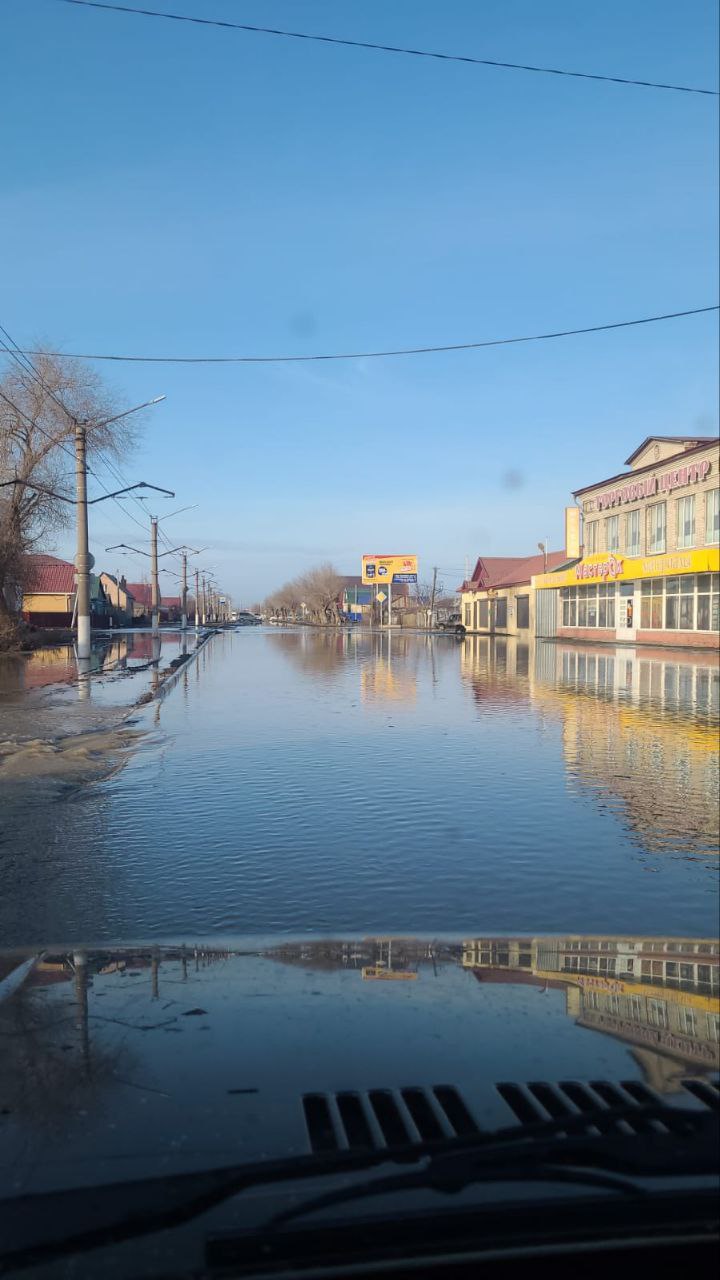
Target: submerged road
column 318, row 782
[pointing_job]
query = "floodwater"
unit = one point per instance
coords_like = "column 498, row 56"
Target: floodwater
column 317, row 782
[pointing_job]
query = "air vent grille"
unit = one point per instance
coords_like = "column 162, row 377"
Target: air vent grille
column 539, row 1100
column 379, row 1118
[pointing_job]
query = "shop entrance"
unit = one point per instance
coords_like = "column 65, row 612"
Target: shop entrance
column 627, row 617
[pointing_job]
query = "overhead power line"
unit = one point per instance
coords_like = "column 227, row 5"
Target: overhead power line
column 377, row 355
column 386, row 48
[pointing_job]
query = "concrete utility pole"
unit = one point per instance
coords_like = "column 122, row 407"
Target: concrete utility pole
column 197, row 599
column 184, row 592
column 154, row 578
column 432, row 597
column 83, row 561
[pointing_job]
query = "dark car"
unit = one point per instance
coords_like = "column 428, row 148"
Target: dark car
column 453, row 623
column 391, row 1105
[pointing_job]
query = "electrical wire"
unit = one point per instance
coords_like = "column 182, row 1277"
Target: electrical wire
column 379, row 355
column 386, row 48
column 27, row 366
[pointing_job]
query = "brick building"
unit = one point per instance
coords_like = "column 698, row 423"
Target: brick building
column 650, row 569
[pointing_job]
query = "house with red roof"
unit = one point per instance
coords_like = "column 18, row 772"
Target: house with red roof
column 141, row 593
column 49, row 595
column 499, row 596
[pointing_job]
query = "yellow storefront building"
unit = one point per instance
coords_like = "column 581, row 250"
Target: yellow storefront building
column 650, row 568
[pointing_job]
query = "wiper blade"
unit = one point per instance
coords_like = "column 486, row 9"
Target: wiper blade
column 34, row 1228
column 612, row 1162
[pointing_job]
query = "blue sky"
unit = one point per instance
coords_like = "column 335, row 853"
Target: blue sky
column 170, row 189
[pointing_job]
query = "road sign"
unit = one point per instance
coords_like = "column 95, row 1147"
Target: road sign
column 381, row 597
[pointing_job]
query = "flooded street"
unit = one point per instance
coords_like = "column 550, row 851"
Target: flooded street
column 330, row 782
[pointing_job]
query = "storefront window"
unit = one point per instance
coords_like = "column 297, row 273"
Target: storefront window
column 588, row 606
column 632, row 533
column 682, row 603
column 712, row 516
column 612, row 533
column 657, row 527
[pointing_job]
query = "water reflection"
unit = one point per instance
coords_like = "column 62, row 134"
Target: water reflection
column 638, row 730
column 658, row 994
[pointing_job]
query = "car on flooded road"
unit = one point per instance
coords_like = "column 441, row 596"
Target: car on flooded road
column 385, row 1104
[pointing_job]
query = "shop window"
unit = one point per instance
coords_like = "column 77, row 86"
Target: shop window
column 651, row 604
column 523, row 611
column 657, row 528
column 712, row 516
column 632, row 533
column 501, row 614
column 612, row 533
column 686, row 521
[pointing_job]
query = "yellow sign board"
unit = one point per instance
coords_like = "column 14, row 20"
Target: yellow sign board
column 376, row 568
column 572, row 532
column 606, row 566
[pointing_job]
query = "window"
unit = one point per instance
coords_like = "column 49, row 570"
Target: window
column 632, row 533
column 588, row 606
column 657, row 528
column 686, row 521
column 484, row 615
column 468, row 615
column 651, row 604
column 523, row 611
column 501, row 614
column 712, row 516
column 591, row 537
column 657, row 1013
column 689, row 1022
column 612, row 533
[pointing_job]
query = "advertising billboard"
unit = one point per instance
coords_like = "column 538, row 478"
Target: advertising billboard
column 377, row 568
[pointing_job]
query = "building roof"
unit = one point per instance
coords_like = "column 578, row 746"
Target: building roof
column 48, row 575
column 141, row 593
column 688, row 441
column 124, row 588
column 510, row 571
column 171, row 602
column 649, row 466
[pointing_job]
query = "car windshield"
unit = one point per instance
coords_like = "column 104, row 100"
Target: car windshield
column 351, row 821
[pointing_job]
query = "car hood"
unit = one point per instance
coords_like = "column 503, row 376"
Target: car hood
column 128, row 1062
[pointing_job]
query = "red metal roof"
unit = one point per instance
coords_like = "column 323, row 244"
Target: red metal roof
column 509, row 571
column 141, row 593
column 171, row 602
column 47, row 576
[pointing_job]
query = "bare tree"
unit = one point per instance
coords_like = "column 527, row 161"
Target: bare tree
column 318, row 590
column 39, row 409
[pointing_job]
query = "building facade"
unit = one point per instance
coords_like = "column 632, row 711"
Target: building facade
column 650, row 569
column 499, row 597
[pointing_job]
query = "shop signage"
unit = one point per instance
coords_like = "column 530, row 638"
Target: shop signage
column 604, row 567
column 590, row 983
column 651, row 486
column 572, row 532
column 376, row 568
column 610, row 568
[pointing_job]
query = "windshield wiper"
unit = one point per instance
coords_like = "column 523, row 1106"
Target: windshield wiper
column 35, row 1228
column 612, row 1162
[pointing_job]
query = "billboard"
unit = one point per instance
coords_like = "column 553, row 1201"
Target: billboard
column 376, row 568
column 572, row 533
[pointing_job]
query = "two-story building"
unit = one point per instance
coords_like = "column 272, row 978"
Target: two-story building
column 650, row 569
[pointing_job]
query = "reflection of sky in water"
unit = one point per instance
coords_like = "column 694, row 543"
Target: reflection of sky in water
column 324, row 781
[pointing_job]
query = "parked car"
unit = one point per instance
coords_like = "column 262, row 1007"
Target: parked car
column 453, row 622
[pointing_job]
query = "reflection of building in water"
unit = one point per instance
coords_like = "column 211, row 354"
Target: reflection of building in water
column 647, row 734
column 491, row 666
column 400, row 954
column 660, row 995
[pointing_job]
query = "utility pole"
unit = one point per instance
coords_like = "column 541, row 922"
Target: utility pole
column 83, row 562
column 155, row 588
column 432, row 597
column 184, row 591
column 204, row 600
column 197, row 599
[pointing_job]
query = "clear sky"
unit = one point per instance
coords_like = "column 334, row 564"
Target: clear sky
column 173, row 189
